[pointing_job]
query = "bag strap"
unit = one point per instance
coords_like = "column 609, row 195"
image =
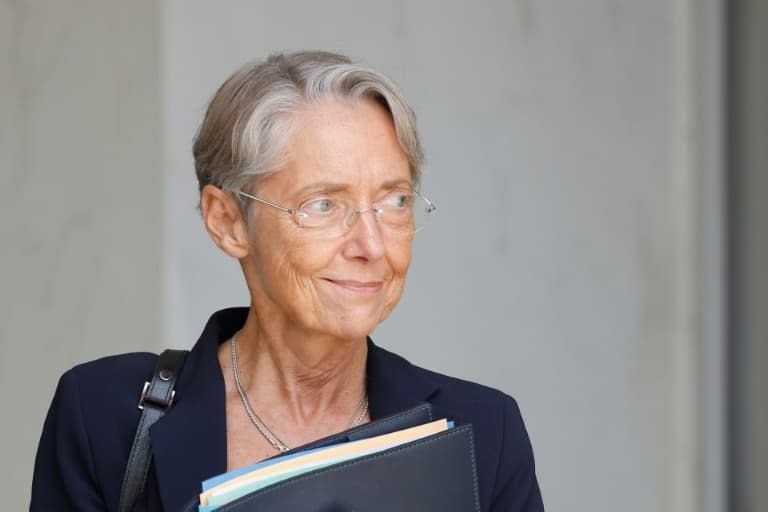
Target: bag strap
column 156, row 399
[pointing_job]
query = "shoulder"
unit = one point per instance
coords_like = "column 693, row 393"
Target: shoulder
column 117, row 377
column 103, row 395
column 505, row 461
column 458, row 396
column 465, row 392
column 89, row 430
column 494, row 415
column 505, row 464
column 119, row 365
column 107, row 392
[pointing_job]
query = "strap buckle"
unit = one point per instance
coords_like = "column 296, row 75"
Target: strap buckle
column 145, row 397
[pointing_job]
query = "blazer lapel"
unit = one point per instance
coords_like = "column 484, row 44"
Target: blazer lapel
column 394, row 384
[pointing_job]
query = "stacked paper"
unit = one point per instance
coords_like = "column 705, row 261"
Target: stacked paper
column 224, row 488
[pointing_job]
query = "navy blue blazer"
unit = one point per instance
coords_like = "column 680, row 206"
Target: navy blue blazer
column 90, row 426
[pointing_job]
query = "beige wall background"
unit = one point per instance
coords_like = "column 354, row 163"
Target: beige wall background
column 573, row 151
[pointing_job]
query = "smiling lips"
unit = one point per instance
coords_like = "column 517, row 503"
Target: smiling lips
column 360, row 287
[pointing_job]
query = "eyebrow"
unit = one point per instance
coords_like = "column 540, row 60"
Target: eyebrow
column 398, row 184
column 331, row 186
column 325, row 186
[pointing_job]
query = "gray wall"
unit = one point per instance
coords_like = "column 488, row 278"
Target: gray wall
column 562, row 155
column 81, row 203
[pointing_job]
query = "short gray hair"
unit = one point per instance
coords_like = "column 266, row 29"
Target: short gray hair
column 251, row 116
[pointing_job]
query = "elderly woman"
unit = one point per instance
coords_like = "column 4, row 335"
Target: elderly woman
column 309, row 169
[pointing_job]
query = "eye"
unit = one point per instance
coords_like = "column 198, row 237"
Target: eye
column 320, row 206
column 398, row 199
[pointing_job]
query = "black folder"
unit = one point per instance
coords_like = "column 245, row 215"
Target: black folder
column 436, row 473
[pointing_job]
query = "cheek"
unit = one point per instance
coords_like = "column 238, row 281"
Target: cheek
column 399, row 257
column 293, row 269
column 278, row 264
column 306, row 257
column 281, row 250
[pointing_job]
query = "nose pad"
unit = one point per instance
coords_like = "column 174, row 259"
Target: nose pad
column 365, row 240
column 354, row 215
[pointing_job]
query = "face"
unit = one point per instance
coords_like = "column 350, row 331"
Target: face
column 341, row 286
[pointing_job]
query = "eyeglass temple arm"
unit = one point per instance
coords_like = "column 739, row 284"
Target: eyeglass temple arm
column 430, row 205
column 269, row 203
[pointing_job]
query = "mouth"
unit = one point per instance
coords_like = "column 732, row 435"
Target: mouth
column 357, row 287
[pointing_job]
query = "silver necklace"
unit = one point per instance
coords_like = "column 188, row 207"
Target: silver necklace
column 263, row 429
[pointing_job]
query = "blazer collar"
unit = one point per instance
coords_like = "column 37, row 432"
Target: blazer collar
column 189, row 443
column 395, row 384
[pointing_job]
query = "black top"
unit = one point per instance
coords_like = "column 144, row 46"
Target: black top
column 90, row 426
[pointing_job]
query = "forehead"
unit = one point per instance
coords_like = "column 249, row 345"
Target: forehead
column 353, row 144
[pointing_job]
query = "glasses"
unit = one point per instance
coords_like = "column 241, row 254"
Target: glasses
column 401, row 212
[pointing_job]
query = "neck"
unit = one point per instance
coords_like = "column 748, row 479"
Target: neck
column 303, row 374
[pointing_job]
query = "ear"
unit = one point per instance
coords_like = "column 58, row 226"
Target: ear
column 223, row 221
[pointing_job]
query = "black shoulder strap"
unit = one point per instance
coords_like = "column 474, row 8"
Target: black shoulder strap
column 156, row 398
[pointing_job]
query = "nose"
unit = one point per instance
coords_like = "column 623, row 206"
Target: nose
column 365, row 240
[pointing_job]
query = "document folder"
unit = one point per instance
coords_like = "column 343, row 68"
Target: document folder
column 433, row 473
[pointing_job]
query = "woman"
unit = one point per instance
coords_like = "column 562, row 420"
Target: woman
column 308, row 168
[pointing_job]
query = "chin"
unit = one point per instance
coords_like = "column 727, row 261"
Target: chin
column 355, row 330
column 356, row 325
